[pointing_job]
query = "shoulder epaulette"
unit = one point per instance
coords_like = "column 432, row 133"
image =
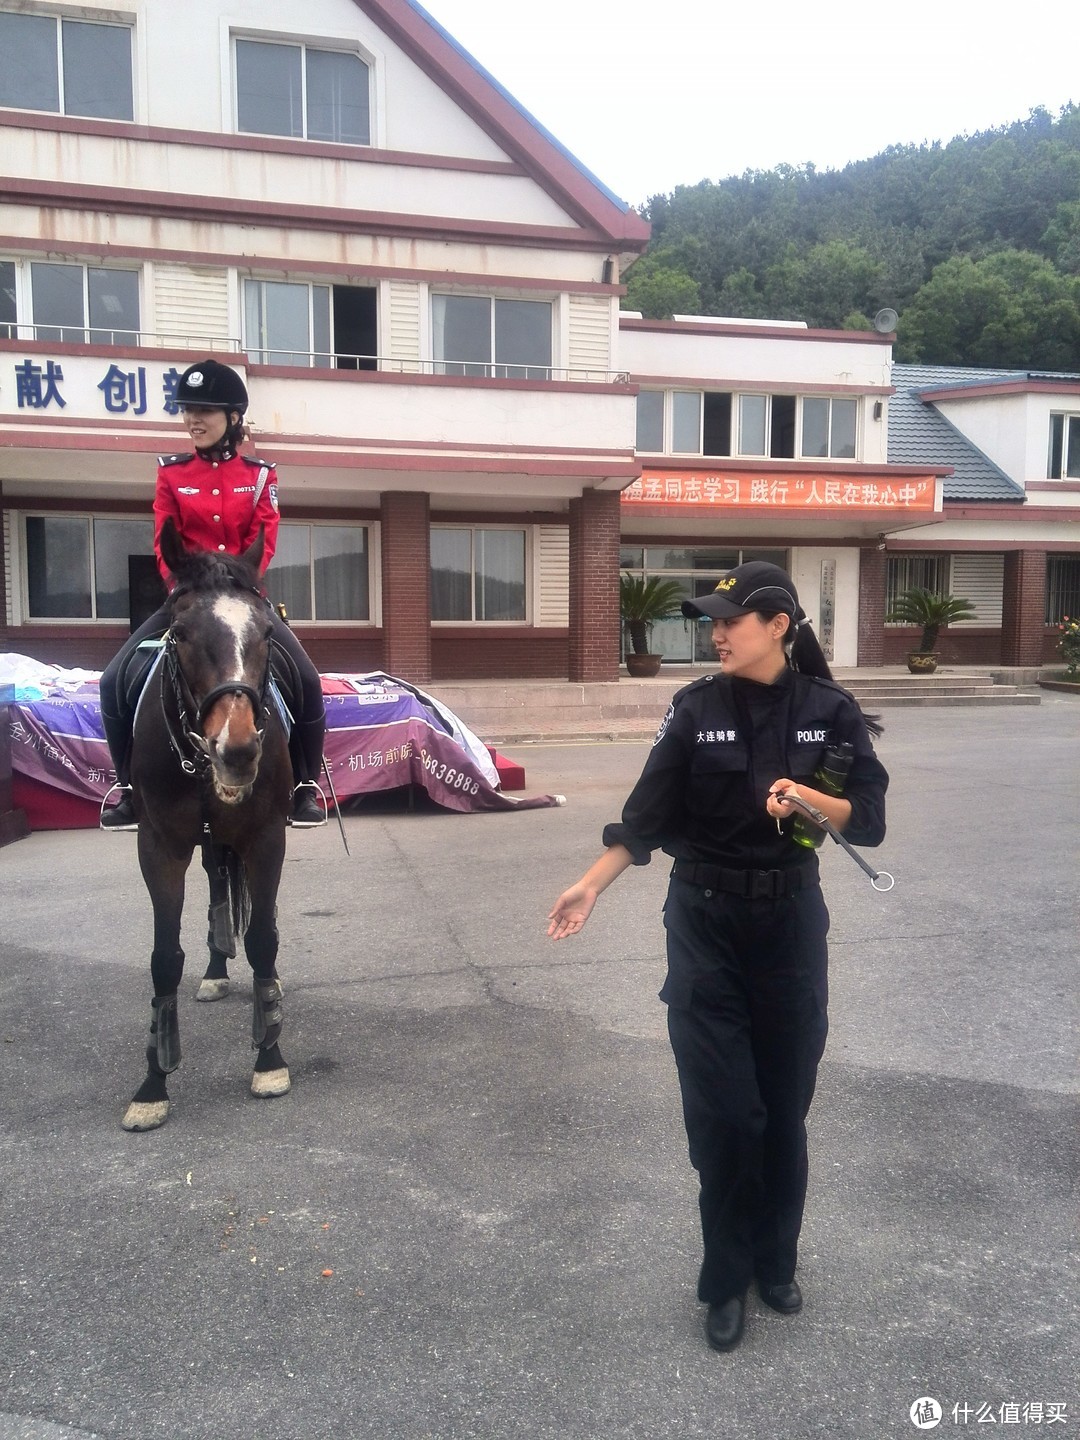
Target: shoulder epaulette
column 259, row 464
column 694, row 685
column 174, row 459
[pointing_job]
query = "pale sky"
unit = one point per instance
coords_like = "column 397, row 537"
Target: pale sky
column 653, row 96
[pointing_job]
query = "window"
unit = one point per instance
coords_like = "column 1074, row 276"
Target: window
column 1062, row 587
column 69, row 67
column 479, row 335
column 77, row 565
column 80, row 303
column 9, row 313
column 700, row 422
column 477, row 574
column 650, row 420
column 303, row 92
column 905, row 572
column 828, row 428
column 767, row 426
column 315, row 325
column 697, row 570
column 321, row 572
column 1063, row 462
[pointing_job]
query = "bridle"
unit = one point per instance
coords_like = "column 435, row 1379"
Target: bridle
column 190, row 745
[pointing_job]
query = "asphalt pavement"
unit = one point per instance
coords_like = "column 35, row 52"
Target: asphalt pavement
column 474, row 1215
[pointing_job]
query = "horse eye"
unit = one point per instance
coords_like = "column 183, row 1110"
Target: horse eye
column 179, row 634
column 268, row 632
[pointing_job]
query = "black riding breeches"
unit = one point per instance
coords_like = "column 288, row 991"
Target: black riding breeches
column 747, row 996
column 117, row 717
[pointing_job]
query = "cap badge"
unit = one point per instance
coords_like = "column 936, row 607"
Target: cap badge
column 727, row 583
column 195, row 379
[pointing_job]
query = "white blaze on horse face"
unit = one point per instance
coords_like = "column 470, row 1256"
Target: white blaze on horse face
column 237, row 617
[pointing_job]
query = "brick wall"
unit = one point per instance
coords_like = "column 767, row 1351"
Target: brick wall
column 521, row 653
column 1023, row 627
column 871, row 607
column 406, row 586
column 974, row 646
column 594, row 586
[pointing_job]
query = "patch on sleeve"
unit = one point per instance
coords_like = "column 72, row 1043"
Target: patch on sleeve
column 665, row 723
column 273, row 496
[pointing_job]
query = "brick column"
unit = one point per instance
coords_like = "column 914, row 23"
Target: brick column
column 406, row 585
column 1023, row 607
column 594, row 586
column 871, row 649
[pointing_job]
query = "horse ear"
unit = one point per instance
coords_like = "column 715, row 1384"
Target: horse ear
column 172, row 548
column 254, row 553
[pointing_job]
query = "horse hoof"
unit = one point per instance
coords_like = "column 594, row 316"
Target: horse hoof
column 145, row 1115
column 212, row 989
column 265, row 1083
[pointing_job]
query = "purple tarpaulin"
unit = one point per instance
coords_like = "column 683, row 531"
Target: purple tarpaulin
column 376, row 740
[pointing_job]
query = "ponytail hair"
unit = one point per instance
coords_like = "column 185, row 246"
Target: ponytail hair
column 807, row 657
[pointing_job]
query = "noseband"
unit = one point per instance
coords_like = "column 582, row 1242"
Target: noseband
column 191, row 735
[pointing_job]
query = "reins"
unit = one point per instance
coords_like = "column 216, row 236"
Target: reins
column 190, row 745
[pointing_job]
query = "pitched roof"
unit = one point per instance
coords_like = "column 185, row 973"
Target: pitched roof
column 509, row 124
column 920, row 434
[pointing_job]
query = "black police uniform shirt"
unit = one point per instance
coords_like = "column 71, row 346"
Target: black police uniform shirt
column 721, row 746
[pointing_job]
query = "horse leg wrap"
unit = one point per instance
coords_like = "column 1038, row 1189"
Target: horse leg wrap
column 266, row 1013
column 165, row 1029
column 221, row 935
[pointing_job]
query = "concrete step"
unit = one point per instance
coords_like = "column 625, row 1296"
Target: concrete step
column 516, row 711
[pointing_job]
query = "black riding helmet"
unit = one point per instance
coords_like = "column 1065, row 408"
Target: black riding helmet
column 212, row 384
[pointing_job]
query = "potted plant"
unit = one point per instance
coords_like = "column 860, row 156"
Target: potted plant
column 919, row 606
column 641, row 604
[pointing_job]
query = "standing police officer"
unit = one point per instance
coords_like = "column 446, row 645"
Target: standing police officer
column 746, row 988
column 219, row 500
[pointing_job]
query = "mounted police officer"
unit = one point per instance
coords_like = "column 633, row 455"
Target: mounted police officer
column 746, row 988
column 218, row 500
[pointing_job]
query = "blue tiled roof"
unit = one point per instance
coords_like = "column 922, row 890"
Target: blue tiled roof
column 920, row 435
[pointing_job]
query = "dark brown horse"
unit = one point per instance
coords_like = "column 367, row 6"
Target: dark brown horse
column 210, row 766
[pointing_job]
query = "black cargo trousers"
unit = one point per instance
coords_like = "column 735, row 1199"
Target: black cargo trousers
column 747, row 997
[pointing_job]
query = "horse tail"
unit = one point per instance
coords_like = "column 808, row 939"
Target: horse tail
column 239, row 894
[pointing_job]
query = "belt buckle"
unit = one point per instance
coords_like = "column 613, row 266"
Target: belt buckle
column 762, row 884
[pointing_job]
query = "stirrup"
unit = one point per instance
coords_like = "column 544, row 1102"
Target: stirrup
column 126, row 821
column 308, row 812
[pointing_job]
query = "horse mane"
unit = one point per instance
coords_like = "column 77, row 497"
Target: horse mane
column 210, row 570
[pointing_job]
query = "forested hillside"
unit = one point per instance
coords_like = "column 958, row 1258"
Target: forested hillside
column 975, row 244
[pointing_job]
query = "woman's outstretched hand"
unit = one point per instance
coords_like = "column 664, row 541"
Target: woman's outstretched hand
column 571, row 910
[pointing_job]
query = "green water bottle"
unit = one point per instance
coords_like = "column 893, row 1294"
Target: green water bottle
column 830, row 777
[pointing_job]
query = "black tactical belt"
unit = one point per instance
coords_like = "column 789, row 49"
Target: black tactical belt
column 752, row 884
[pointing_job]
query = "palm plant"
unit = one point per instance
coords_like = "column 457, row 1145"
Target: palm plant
column 919, row 606
column 643, row 602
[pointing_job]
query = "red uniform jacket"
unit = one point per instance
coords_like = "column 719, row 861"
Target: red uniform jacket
column 216, row 504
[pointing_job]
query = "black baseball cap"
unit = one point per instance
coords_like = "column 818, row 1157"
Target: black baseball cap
column 757, row 585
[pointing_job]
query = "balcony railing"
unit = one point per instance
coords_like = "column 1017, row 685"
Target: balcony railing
column 129, row 339
column 305, row 359
column 395, row 365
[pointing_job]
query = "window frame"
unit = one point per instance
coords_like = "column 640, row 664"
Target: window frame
column 332, row 45
column 526, row 531
column 372, row 552
column 735, row 449
column 493, row 368
column 84, row 19
column 1059, row 587
column 1068, row 422
column 89, row 518
column 329, row 359
column 901, row 565
column 26, row 319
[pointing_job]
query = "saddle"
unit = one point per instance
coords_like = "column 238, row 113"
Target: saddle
column 285, row 683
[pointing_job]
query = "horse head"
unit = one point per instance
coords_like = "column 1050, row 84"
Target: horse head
column 218, row 648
